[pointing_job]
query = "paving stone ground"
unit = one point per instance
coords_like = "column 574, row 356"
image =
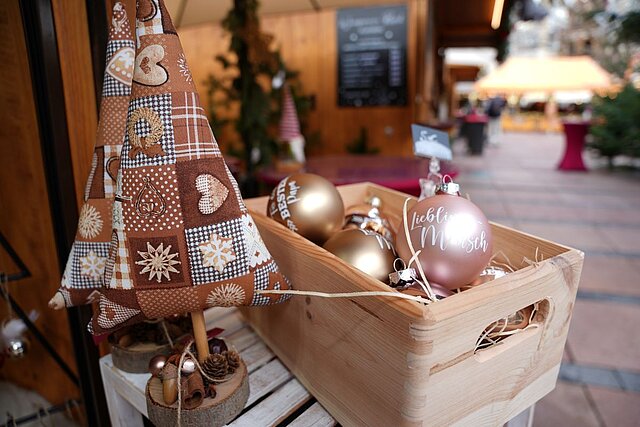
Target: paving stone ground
column 598, row 212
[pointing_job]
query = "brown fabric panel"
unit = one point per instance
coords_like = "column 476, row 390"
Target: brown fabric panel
column 166, row 302
column 241, row 288
column 145, row 251
column 96, row 189
column 170, row 58
column 187, row 173
column 113, row 118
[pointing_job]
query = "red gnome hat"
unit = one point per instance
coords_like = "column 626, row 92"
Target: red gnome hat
column 182, row 238
column 290, row 125
column 84, row 273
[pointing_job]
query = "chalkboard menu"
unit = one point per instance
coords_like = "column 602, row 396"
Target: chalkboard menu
column 372, row 56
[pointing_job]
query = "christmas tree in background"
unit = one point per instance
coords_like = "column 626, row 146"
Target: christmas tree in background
column 255, row 65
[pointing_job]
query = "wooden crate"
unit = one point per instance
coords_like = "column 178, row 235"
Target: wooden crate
column 390, row 362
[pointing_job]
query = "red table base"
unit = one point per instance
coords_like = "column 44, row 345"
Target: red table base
column 575, row 134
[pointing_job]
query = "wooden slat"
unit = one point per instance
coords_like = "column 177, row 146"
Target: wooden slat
column 256, row 356
column 229, row 320
column 130, row 386
column 276, row 407
column 315, row 416
column 242, row 339
column 267, row 379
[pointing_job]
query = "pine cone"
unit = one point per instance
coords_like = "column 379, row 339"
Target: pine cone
column 216, row 366
column 233, row 360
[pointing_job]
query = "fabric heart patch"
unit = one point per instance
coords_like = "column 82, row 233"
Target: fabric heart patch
column 148, row 70
column 214, row 193
column 113, row 166
column 120, row 66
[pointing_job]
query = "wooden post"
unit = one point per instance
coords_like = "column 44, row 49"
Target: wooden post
column 200, row 335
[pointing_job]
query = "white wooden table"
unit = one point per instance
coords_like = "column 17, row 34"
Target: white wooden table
column 275, row 394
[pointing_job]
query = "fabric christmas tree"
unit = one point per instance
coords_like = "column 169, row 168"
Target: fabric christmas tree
column 290, row 126
column 84, row 273
column 182, row 238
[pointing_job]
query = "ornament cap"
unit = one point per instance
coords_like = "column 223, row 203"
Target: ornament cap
column 448, row 188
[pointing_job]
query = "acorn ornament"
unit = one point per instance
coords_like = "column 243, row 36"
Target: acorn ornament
column 308, row 204
column 452, row 234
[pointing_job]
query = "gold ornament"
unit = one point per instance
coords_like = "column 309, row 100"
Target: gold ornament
column 309, row 205
column 365, row 250
column 371, row 216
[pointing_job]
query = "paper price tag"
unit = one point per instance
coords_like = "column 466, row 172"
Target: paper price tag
column 428, row 142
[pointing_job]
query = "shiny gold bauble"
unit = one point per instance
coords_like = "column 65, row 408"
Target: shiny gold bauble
column 309, row 205
column 372, row 216
column 365, row 250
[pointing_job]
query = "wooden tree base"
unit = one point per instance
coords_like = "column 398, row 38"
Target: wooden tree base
column 135, row 358
column 229, row 402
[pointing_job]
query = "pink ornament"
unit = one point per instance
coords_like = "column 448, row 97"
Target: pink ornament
column 453, row 235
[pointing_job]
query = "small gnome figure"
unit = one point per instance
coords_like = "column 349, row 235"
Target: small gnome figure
column 290, row 127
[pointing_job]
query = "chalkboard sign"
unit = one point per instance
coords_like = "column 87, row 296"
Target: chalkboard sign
column 372, row 56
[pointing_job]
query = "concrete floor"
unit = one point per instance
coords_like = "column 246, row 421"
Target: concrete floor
column 598, row 212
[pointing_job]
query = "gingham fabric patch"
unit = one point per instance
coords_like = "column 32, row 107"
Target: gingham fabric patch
column 111, row 86
column 88, row 264
column 161, row 106
column 217, row 252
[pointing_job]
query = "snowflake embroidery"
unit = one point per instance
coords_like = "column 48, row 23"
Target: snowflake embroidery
column 184, row 68
column 90, row 223
column 228, row 295
column 158, row 262
column 217, row 252
column 92, row 265
column 256, row 249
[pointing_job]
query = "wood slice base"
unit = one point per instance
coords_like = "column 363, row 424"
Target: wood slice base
column 230, row 400
column 135, row 358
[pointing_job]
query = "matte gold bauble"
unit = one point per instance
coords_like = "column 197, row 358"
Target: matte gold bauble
column 365, row 250
column 309, row 205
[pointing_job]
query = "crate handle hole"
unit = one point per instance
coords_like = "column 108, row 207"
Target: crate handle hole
column 508, row 331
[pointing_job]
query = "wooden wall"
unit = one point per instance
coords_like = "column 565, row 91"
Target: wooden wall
column 308, row 44
column 25, row 217
column 79, row 92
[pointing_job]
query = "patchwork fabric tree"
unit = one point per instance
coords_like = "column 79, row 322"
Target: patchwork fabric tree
column 182, row 237
column 84, row 272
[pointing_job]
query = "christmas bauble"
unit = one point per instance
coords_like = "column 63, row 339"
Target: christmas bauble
column 371, row 216
column 365, row 250
column 156, row 364
column 309, row 205
column 17, row 347
column 452, row 235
